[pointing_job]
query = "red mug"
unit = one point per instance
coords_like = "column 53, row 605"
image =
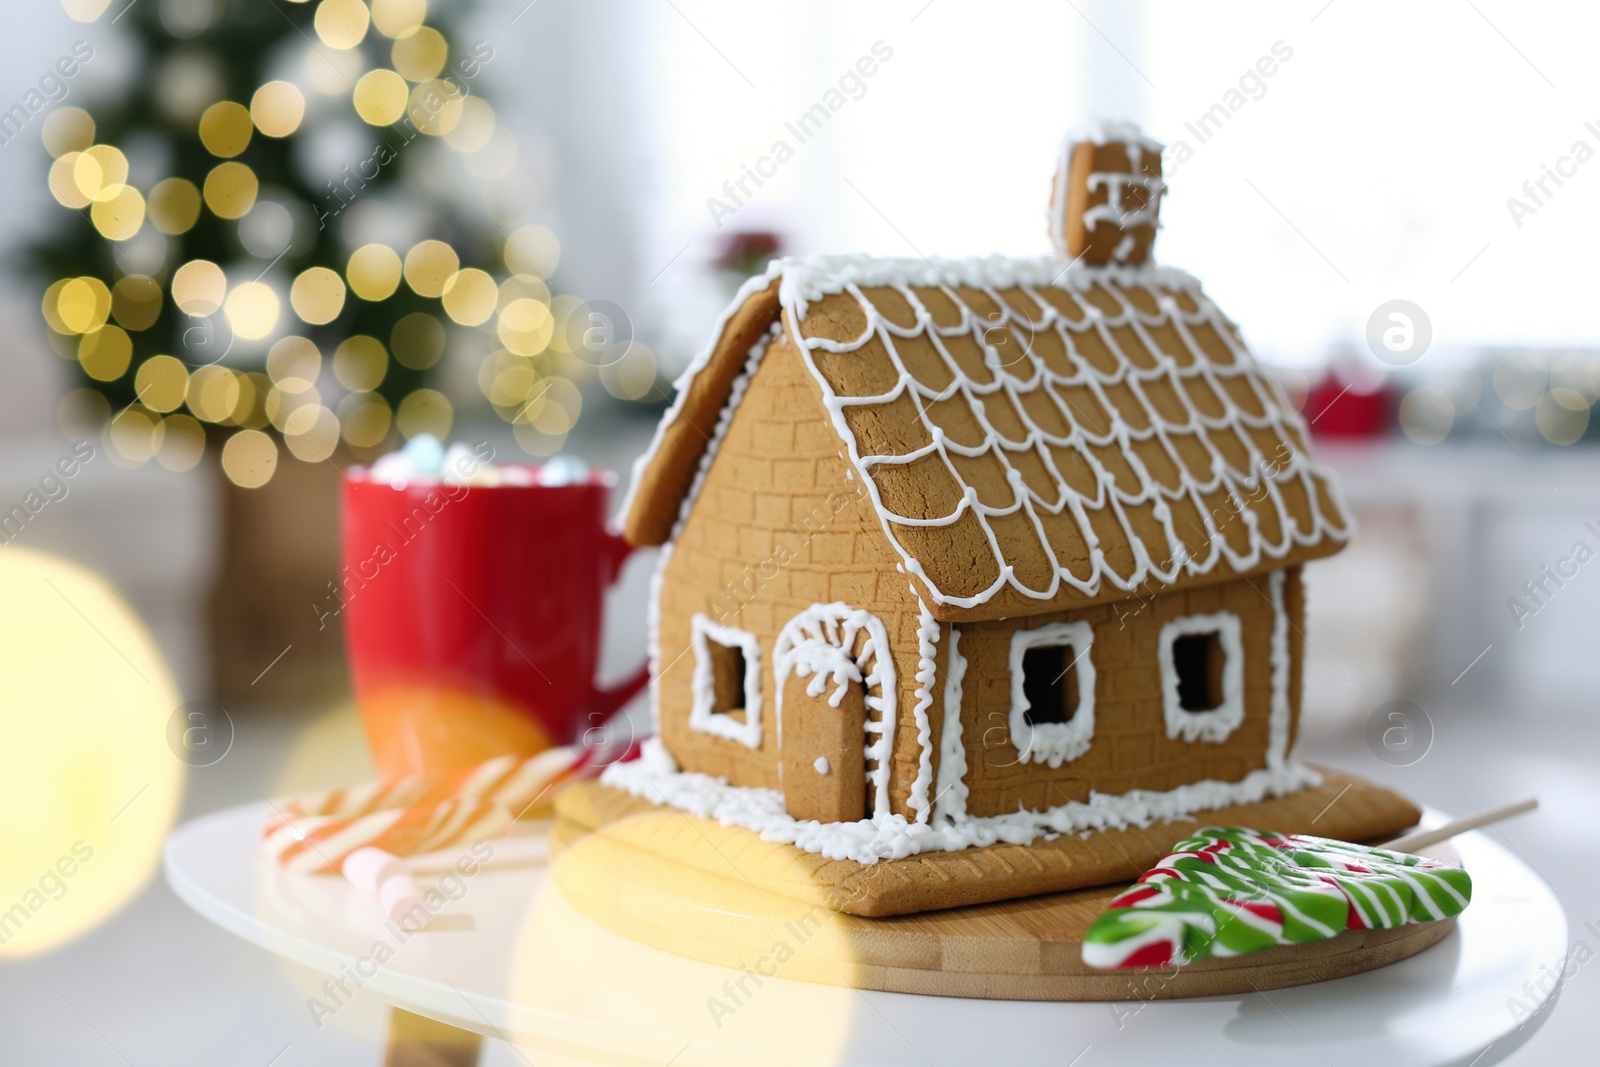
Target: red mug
column 473, row 617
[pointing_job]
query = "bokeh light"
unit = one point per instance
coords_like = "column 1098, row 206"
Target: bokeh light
column 318, row 295
column 398, row 18
column 67, row 129
column 429, row 265
column 341, row 24
column 118, row 212
column 230, row 190
column 1520, row 380
column 85, row 10
column 277, row 108
column 424, row 411
column 134, row 435
column 93, row 773
column 374, row 272
column 365, row 419
column 82, row 304
column 1426, row 415
column 631, row 377
column 294, row 363
column 198, row 287
column 417, row 340
column 1562, row 415
column 105, row 353
column 213, row 393
column 311, row 433
column 249, row 459
column 100, row 171
column 360, row 363
column 136, row 301
column 526, row 326
column 436, row 107
column 174, row 205
column 161, row 383
column 252, row 310
column 470, row 297
column 475, row 128
column 225, row 129
column 420, row 56
column 532, row 250
column 380, row 97
column 64, row 182
column 183, row 442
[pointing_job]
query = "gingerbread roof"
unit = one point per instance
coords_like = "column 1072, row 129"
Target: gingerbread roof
column 1033, row 434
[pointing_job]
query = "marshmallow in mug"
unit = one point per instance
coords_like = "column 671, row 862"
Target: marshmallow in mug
column 424, row 460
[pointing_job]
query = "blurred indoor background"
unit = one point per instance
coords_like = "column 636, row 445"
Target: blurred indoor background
column 1396, row 203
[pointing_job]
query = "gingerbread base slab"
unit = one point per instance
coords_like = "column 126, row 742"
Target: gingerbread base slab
column 1343, row 807
column 1027, row 949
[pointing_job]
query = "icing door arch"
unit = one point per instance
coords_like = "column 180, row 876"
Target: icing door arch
column 824, row 757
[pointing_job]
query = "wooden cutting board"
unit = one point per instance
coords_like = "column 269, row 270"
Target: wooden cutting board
column 1029, row 949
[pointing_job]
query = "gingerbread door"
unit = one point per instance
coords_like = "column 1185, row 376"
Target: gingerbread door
column 824, row 749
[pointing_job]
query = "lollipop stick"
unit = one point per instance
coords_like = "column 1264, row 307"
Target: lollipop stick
column 1420, row 839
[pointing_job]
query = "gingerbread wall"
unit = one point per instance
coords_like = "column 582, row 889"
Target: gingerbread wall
column 1130, row 747
column 778, row 526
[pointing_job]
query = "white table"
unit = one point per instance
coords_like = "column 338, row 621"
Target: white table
column 512, row 959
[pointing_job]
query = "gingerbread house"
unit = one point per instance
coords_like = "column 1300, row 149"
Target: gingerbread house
column 957, row 552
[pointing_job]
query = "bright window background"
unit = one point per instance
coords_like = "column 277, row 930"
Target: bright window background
column 1376, row 163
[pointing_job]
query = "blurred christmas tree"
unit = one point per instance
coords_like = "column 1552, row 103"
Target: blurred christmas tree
column 279, row 239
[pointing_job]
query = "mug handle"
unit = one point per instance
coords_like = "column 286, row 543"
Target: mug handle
column 603, row 703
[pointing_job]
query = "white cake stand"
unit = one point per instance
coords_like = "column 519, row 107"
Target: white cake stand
column 509, row 958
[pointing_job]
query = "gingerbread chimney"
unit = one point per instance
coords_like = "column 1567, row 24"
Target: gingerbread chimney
column 1106, row 195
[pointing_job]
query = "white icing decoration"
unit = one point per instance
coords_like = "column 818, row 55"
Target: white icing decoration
column 927, row 674
column 655, row 777
column 950, row 801
column 1137, row 143
column 724, row 420
column 1278, row 723
column 1054, row 743
column 702, row 631
column 820, row 643
column 821, row 765
column 1214, row 724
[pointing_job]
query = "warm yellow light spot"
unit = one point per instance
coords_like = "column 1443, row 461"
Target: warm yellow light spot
column 67, row 129
column 252, row 310
column 421, row 55
column 496, row 159
column 380, row 97
column 85, row 717
column 429, row 265
column 198, row 287
column 513, row 385
column 251, row 410
column 280, row 404
column 105, row 353
column 1426, row 415
column 341, row 23
column 118, row 213
column 231, row 190
column 531, row 441
column 360, row 362
column 318, row 295
column 174, row 205
column 277, row 108
column 134, row 434
column 417, row 340
column 312, row 433
column 136, row 301
column 83, row 305
column 374, row 272
column 533, row 250
column 436, row 107
column 225, row 128
column 64, row 182
column 183, row 442
column 632, row 376
column 365, row 419
column 293, row 364
column 525, row 326
column 51, row 306
column 554, row 409
column 85, row 10
column 470, row 296
column 1562, row 416
column 161, row 383
column 523, row 286
column 249, row 459
column 398, row 18
column 476, row 127
column 424, row 411
column 213, row 393
column 100, row 171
